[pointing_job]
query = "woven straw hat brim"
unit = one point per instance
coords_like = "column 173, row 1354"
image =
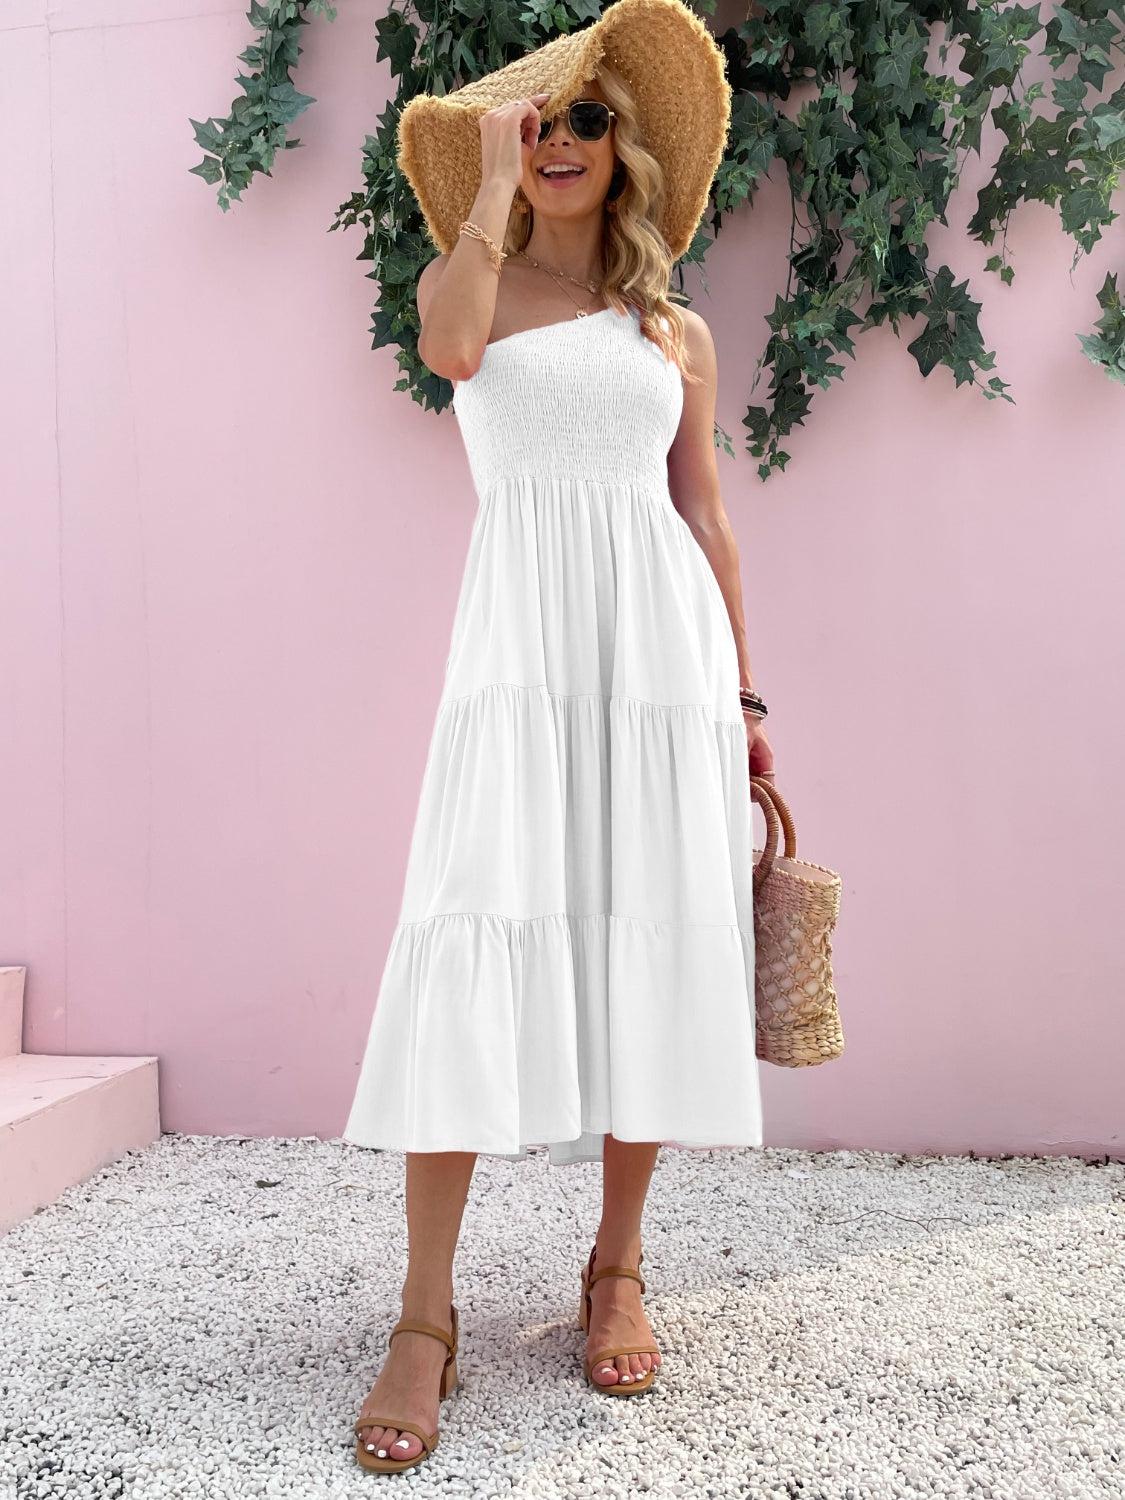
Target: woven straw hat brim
column 673, row 68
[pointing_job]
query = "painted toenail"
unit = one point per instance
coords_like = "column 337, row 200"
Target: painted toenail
column 382, row 1451
column 403, row 1443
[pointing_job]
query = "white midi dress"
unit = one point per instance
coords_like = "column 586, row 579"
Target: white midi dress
column 574, row 952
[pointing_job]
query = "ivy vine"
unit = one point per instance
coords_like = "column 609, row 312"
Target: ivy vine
column 250, row 137
column 872, row 157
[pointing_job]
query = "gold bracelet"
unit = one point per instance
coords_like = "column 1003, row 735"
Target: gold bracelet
column 496, row 255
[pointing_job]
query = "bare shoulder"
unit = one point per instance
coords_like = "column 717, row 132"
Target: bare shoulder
column 428, row 279
column 697, row 332
column 699, row 344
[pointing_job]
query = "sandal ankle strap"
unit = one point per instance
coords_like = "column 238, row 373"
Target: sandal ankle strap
column 412, row 1325
column 616, row 1271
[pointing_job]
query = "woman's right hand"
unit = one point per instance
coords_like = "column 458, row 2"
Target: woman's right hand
column 509, row 133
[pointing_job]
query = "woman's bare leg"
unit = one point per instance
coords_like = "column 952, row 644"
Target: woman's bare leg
column 617, row 1313
column 437, row 1184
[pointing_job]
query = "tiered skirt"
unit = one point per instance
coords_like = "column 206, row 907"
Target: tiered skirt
column 574, row 953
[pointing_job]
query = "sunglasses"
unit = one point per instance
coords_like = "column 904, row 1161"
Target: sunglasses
column 588, row 118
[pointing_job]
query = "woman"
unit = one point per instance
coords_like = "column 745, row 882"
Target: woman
column 573, row 965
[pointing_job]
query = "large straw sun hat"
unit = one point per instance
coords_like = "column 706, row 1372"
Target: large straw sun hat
column 665, row 54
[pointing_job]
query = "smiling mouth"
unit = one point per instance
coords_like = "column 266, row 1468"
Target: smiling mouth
column 568, row 174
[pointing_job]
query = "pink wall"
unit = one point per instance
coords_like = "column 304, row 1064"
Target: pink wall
column 231, row 555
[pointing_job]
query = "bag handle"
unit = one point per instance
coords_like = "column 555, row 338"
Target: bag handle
column 776, row 810
column 763, row 866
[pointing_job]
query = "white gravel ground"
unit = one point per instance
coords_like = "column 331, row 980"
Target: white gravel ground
column 203, row 1319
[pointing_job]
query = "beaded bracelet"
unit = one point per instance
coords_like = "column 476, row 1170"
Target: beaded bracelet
column 496, row 255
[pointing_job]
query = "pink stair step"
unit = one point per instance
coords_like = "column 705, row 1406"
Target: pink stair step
column 63, row 1118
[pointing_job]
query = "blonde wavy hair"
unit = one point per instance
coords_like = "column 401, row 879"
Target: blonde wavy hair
column 636, row 262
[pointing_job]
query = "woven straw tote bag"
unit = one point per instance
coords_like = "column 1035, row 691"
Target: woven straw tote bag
column 796, row 903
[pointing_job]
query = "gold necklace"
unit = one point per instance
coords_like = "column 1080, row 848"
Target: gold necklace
column 591, row 286
column 554, row 273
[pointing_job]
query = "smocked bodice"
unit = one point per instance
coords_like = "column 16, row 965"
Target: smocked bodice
column 589, row 398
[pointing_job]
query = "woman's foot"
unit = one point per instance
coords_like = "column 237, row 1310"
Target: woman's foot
column 407, row 1385
column 617, row 1318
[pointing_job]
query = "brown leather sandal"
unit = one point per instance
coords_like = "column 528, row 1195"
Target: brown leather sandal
column 639, row 1384
column 449, row 1383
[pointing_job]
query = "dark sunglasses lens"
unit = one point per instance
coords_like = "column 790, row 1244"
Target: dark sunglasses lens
column 545, row 128
column 589, row 119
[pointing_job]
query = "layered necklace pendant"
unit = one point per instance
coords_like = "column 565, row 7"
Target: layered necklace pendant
column 554, row 273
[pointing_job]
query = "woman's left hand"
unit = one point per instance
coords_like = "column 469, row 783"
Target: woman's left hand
column 761, row 755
